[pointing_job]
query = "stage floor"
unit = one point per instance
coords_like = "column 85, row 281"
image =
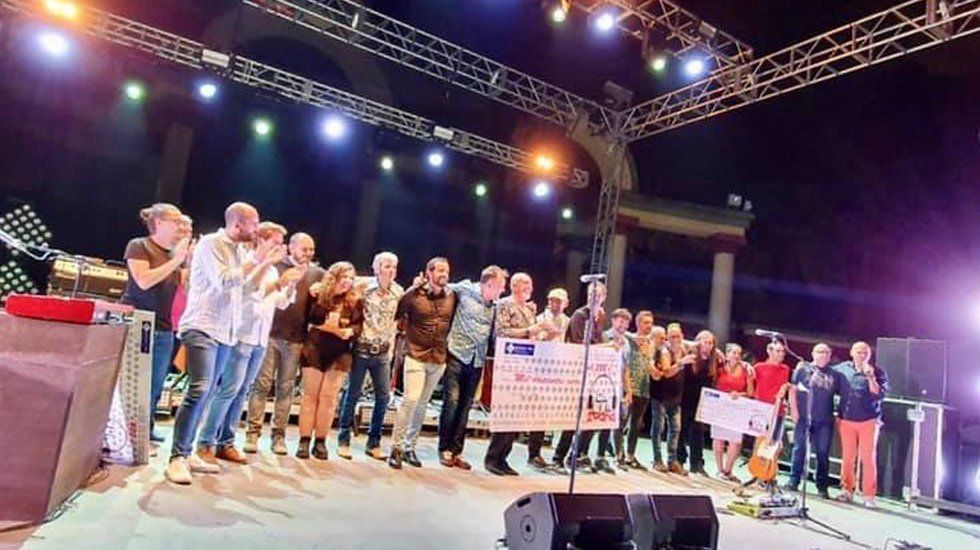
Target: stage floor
column 291, row 503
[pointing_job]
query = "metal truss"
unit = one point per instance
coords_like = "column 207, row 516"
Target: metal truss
column 680, row 30
column 605, row 224
column 350, row 22
column 894, row 32
column 189, row 53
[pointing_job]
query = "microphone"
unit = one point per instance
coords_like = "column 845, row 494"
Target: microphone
column 593, row 278
column 767, row 333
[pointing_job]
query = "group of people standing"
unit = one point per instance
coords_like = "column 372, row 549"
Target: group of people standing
column 257, row 311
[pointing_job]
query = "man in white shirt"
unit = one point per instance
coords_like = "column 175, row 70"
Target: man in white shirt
column 269, row 291
column 209, row 326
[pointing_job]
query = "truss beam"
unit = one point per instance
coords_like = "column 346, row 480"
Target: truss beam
column 190, row 53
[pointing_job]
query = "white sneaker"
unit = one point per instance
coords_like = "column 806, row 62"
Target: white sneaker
column 198, row 465
column 344, row 452
column 178, row 472
column 251, row 443
column 870, row 503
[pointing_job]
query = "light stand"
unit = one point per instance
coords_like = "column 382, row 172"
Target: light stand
column 593, row 304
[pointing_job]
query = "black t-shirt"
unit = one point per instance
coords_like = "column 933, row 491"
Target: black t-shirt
column 160, row 297
column 290, row 324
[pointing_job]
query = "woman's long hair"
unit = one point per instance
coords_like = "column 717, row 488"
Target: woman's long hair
column 712, row 354
column 334, row 273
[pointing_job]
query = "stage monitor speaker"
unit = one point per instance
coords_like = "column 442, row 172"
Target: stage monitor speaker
column 916, row 368
column 545, row 521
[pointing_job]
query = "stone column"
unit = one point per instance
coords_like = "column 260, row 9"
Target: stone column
column 617, row 271
column 723, row 285
column 574, row 262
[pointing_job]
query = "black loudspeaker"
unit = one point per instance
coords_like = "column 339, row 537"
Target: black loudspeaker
column 546, row 521
column 916, row 368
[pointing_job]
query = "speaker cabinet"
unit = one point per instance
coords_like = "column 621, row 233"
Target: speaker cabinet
column 916, row 369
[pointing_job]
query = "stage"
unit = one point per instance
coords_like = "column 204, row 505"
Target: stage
column 293, row 503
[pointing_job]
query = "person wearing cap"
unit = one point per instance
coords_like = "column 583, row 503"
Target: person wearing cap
column 555, row 312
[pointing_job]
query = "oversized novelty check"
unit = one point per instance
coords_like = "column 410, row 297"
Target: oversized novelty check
column 742, row 414
column 536, row 386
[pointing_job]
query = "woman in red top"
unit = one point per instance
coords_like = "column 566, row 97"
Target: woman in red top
column 738, row 379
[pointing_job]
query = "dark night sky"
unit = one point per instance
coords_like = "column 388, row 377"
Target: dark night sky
column 865, row 187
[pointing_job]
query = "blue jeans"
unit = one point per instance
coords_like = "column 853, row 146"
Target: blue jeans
column 671, row 412
column 163, row 350
column 379, row 366
column 237, row 375
column 821, row 435
column 458, row 388
column 204, row 355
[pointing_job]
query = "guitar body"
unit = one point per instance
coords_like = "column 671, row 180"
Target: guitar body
column 486, row 383
column 764, row 463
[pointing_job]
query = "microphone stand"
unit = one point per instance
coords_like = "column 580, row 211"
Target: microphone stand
column 589, row 331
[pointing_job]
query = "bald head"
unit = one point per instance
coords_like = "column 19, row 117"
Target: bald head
column 301, row 248
column 241, row 221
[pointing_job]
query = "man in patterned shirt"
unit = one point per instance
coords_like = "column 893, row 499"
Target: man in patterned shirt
column 469, row 340
column 372, row 354
column 515, row 319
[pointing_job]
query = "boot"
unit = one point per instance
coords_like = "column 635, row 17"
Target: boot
column 303, row 451
column 320, row 449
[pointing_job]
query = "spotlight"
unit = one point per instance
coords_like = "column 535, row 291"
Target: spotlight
column 567, row 213
column 334, row 127
column 54, row 44
column 480, row 190
column 653, row 50
column 262, row 127
column 559, row 11
column 436, row 159
column 542, row 189
column 62, row 9
column 544, row 163
column 387, row 163
column 658, row 63
column 134, row 91
column 605, row 21
column 694, row 67
column 207, row 90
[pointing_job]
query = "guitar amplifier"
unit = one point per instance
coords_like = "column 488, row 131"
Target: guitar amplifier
column 95, row 278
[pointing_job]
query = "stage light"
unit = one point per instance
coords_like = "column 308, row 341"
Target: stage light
column 62, row 9
column 559, row 11
column 54, row 44
column 480, row 190
column 658, row 63
column 334, row 127
column 134, row 91
column 387, row 163
column 544, row 163
column 262, row 127
column 605, row 21
column 542, row 189
column 436, row 159
column 694, row 67
column 567, row 213
column 207, row 90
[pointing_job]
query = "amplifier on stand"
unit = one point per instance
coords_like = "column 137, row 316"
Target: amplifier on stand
column 87, row 278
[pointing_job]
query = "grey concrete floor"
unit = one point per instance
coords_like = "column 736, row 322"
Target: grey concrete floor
column 289, row 503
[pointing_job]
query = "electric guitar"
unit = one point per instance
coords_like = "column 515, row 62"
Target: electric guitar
column 764, row 464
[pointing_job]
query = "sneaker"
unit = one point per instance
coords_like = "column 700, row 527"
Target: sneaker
column 870, row 503
column 198, row 465
column 178, row 471
column 207, row 455
column 538, row 463
column 461, row 464
column 602, row 465
column 632, row 462
column 279, row 445
column 251, row 443
column 585, row 464
column 845, row 496
column 558, row 468
column 231, row 454
column 659, row 466
column 676, row 468
column 344, row 452
column 790, row 486
column 447, row 459
column 375, row 453
column 824, row 493
column 700, row 471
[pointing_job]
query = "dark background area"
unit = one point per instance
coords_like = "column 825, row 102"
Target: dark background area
column 864, row 188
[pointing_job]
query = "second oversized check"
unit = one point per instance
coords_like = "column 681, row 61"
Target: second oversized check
column 742, row 414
